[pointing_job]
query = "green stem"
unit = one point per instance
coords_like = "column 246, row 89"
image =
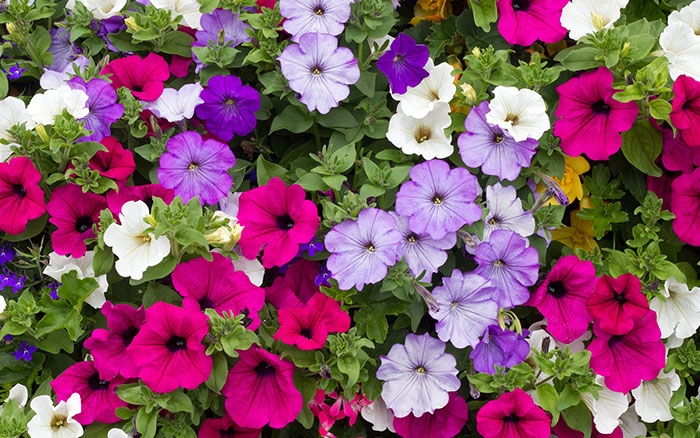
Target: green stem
column 317, row 135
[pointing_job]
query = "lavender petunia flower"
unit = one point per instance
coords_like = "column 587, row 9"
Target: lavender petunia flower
column 438, row 200
column 306, row 16
column 499, row 347
column 229, row 107
column 61, row 48
column 506, row 212
column 492, row 148
column 510, row 264
column 403, row 64
column 221, row 23
column 102, row 104
column 421, row 251
column 467, row 308
column 319, row 70
column 363, row 249
column 53, row 79
column 175, row 105
column 418, row 375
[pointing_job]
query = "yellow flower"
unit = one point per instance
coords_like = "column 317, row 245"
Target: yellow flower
column 433, row 10
column 570, row 183
column 579, row 235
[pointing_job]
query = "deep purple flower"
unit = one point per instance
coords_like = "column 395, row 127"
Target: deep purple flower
column 7, row 254
column 53, row 290
column 499, row 347
column 14, row 72
column 363, row 249
column 195, row 167
column 108, row 26
column 229, row 107
column 12, row 280
column 492, row 148
column 319, row 70
column 510, row 264
column 322, row 278
column 403, row 64
column 311, row 248
column 220, row 22
column 306, row 16
column 103, row 106
column 61, row 48
column 25, row 352
column 438, row 200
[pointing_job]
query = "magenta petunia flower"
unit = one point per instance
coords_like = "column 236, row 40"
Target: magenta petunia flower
column 523, row 22
column 74, row 213
column 259, row 390
column 296, row 287
column 685, row 204
column 116, row 163
column 193, row 167
column 404, row 63
column 277, row 218
column 443, row 423
column 677, row 155
column 21, row 199
column 562, row 430
column 562, row 298
column 169, row 349
column 513, row 415
column 229, row 107
column 217, row 285
column 144, row 77
column 590, row 119
column 617, row 303
column 98, row 401
column 225, row 427
column 626, row 360
column 108, row 347
column 686, row 109
column 103, row 106
column 145, row 193
column 308, row 327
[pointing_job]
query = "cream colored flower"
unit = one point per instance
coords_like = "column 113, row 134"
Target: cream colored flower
column 59, row 265
column 55, row 422
column 425, row 137
column 45, row 107
column 521, row 112
column 581, row 17
column 420, row 100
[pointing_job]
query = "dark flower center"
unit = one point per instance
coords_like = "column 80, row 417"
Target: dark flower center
column 557, row 289
column 264, row 369
column 498, row 138
column 193, row 166
column 494, row 220
column 129, row 334
column 316, row 70
column 83, row 223
column 138, row 88
column 521, row 5
column 97, row 384
column 423, row 134
column 437, row 199
column 225, row 433
column 247, row 320
column 318, row 10
column 412, row 238
column 176, row 343
column 499, row 262
column 600, row 107
column 205, row 302
column 18, row 189
column 512, row 418
column 614, row 340
column 285, row 222
column 370, row 247
column 305, row 332
column 687, row 104
column 229, row 101
column 620, row 298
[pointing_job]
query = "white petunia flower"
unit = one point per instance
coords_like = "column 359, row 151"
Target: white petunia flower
column 378, row 415
column 136, row 249
column 425, row 137
column 45, row 107
column 506, row 212
column 439, row 86
column 681, row 46
column 117, row 433
column 520, row 112
column 101, row 9
column 376, row 43
column 189, row 9
column 59, row 265
column 653, row 397
column 689, row 15
column 679, row 314
column 55, row 422
column 607, row 409
column 3, row 304
column 174, row 105
column 19, row 394
column 12, row 112
column 581, row 17
column 53, row 79
column 630, row 424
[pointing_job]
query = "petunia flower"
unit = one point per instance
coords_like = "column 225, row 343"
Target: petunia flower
column 438, row 86
column 308, row 327
column 679, row 312
column 580, row 235
column 100, row 9
column 83, row 266
column 403, row 63
column 616, row 303
column 145, row 193
column 607, row 407
column 53, row 79
column 45, row 107
column 438, row 200
column 55, row 422
column 378, row 415
column 225, row 427
column 144, row 77
column 506, row 212
column 21, row 198
column 108, row 347
column 13, row 112
column 102, row 106
column 521, row 112
column 466, row 308
column 513, row 415
column 168, row 348
column 652, row 399
column 62, row 48
column 500, row 347
column 192, row 166
column 74, row 213
column 277, row 219
column 228, row 107
column 685, row 203
column 175, row 105
column 425, row 137
column 319, row 70
column 259, row 390
column 685, row 115
column 362, row 250
column 443, row 423
column 188, row 9
column 510, row 264
column 296, row 287
column 583, row 17
column 431, row 10
column 221, row 22
column 491, row 148
column 677, row 155
column 97, row 397
column 681, row 46
column 418, row 376
column 116, row 163
column 562, row 430
column 322, row 16
column 523, row 22
column 570, row 182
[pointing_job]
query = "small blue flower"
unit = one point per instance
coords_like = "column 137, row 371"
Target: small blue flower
column 25, row 352
column 322, row 278
column 12, row 280
column 53, row 290
column 7, row 254
column 14, row 72
column 311, row 248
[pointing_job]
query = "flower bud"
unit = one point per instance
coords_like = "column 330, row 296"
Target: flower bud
column 41, row 130
column 227, row 235
column 429, row 299
column 469, row 94
column 476, row 52
column 131, row 24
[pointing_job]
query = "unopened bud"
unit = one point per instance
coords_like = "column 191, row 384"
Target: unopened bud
column 469, row 239
column 429, row 299
column 41, row 130
column 13, row 31
column 227, row 235
column 559, row 194
column 151, row 220
column 156, row 127
column 469, row 94
column 222, row 38
column 476, row 52
column 131, row 24
column 625, row 49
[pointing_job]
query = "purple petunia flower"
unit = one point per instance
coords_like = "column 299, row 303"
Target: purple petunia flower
column 108, row 26
column 403, row 64
column 492, row 148
column 194, row 167
column 422, row 252
column 306, row 16
column 220, row 22
column 506, row 212
column 438, row 200
column 510, row 264
column 363, row 249
column 319, row 70
column 61, row 48
column 229, row 107
column 25, row 352
column 499, row 347
column 467, row 308
column 418, row 375
column 103, row 106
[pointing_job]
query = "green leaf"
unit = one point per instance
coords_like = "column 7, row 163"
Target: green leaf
column 337, row 118
column 334, row 181
column 660, row 110
column 177, row 43
column 159, row 292
column 350, row 366
column 485, row 13
column 641, row 145
column 54, row 342
column 146, row 422
column 103, row 261
column 266, row 171
column 219, row 373
column 311, row 182
column 549, row 398
column 178, row 402
column 568, row 397
column 578, row 418
column 162, row 269
column 293, row 119
column 578, row 58
column 4, row 86
column 75, row 290
column 366, row 83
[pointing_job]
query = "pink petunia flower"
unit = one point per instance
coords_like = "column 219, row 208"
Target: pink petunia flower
column 278, row 218
column 144, row 77
column 74, row 213
column 685, row 204
column 523, row 22
column 685, row 115
column 626, row 360
column 296, row 287
column 169, row 349
column 146, row 193
column 617, row 303
column 108, row 347
column 116, row 163
column 661, row 186
column 217, row 285
column 308, row 327
column 562, row 430
column 225, row 427
column 21, row 199
column 97, row 397
column 443, row 423
column 590, row 120
column 259, row 390
column 562, row 298
column 677, row 155
column 513, row 415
